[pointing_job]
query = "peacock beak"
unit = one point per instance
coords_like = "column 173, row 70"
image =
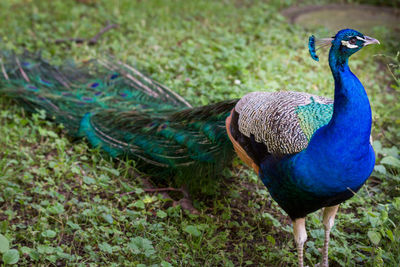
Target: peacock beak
column 370, row 40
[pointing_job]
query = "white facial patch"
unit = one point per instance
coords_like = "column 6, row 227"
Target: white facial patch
column 359, row 38
column 347, row 44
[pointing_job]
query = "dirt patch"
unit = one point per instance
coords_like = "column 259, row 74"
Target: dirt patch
column 336, row 17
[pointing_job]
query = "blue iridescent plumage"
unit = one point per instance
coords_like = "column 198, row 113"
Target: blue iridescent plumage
column 338, row 158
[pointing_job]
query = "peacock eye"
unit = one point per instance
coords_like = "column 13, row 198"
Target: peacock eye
column 353, row 41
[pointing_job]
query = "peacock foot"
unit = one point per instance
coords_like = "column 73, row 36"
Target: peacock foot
column 184, row 202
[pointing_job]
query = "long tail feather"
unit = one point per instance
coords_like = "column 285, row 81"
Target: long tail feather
column 124, row 112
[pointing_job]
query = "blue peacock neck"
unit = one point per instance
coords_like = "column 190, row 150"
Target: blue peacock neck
column 348, row 132
column 339, row 156
column 351, row 120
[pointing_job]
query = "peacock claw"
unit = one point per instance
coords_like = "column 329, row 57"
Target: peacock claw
column 184, row 202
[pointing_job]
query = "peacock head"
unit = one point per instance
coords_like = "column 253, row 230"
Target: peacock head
column 345, row 43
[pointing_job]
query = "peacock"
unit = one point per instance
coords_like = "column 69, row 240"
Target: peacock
column 311, row 152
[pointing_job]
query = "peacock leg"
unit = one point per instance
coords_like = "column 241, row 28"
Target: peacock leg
column 328, row 221
column 300, row 237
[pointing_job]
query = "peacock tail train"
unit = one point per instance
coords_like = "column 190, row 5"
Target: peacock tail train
column 125, row 113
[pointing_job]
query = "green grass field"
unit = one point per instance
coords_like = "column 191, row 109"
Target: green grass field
column 63, row 203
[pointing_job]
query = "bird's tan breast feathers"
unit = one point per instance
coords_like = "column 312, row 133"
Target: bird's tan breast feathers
column 239, row 149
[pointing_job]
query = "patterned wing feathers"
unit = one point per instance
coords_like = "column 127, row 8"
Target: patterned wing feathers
column 283, row 121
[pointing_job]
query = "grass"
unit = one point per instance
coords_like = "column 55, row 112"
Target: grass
column 61, row 202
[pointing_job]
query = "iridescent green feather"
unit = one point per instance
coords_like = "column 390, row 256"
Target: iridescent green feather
column 117, row 108
column 313, row 116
